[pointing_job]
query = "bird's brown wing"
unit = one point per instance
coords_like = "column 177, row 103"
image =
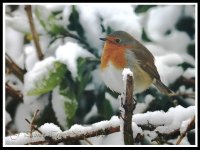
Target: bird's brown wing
column 145, row 60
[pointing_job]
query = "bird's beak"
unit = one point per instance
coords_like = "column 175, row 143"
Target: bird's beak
column 103, row 39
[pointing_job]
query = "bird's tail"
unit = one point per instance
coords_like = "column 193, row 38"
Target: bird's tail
column 163, row 88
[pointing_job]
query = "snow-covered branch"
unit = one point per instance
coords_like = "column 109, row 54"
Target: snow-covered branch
column 151, row 124
column 128, row 105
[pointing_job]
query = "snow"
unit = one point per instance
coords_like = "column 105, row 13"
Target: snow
column 58, row 106
column 189, row 73
column 14, row 47
column 19, row 22
column 78, row 129
column 55, row 8
column 27, row 109
column 120, row 17
column 23, row 138
column 190, row 11
column 113, row 101
column 30, row 56
column 182, row 89
column 14, row 82
column 171, row 119
column 172, row 59
column 69, row 53
column 50, row 130
column 136, row 130
column 113, row 139
column 85, row 12
column 184, row 125
column 21, row 113
column 169, row 71
column 92, row 112
column 141, row 107
column 37, row 73
column 8, row 118
column 126, row 72
column 161, row 19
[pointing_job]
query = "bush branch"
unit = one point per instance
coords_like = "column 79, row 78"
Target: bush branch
column 28, row 10
column 12, row 92
column 184, row 133
column 14, row 68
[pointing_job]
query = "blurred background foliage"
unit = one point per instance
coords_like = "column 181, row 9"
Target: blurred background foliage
column 80, row 100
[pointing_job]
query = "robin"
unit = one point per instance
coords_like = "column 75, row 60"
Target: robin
column 121, row 51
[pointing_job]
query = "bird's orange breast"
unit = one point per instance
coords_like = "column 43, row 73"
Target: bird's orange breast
column 115, row 54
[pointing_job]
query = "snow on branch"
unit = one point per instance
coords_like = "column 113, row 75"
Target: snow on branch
column 158, row 122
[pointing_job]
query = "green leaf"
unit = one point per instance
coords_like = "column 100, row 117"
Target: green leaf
column 109, row 30
column 102, row 26
column 143, row 8
column 71, row 106
column 70, row 102
column 191, row 49
column 75, row 25
column 50, row 80
column 145, row 37
column 48, row 21
column 106, row 109
column 186, row 24
column 185, row 65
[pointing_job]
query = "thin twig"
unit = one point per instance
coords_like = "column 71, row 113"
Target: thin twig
column 28, row 10
column 14, row 68
column 192, row 95
column 14, row 93
column 32, row 126
column 35, row 128
column 184, row 133
column 88, row 141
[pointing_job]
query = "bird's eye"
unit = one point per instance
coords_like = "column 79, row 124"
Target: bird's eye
column 117, row 40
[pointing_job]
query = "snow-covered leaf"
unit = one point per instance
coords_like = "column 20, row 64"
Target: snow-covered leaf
column 64, row 105
column 44, row 76
column 49, row 21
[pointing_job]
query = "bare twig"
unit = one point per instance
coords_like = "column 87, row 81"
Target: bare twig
column 12, row 92
column 189, row 81
column 14, row 68
column 188, row 128
column 88, row 141
column 128, row 107
column 32, row 126
column 28, row 10
column 191, row 95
